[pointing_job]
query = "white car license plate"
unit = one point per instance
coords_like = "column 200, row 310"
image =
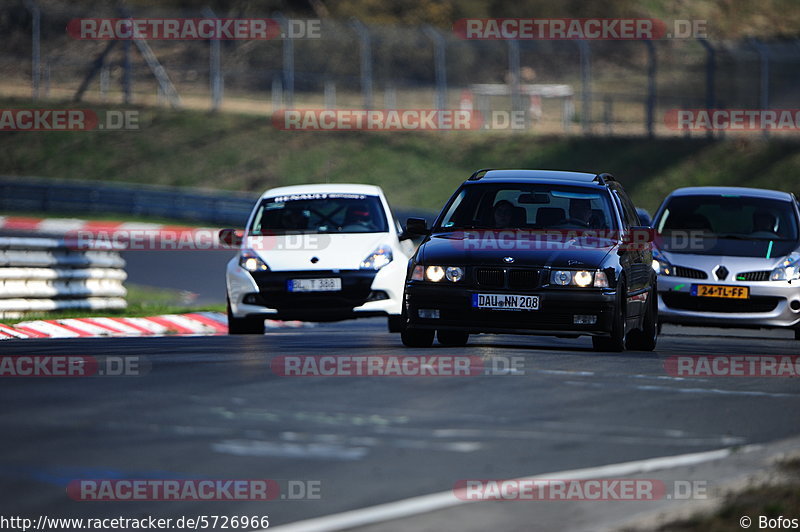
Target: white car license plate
column 331, row 284
column 505, row 302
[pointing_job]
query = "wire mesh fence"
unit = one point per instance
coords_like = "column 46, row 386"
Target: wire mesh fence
column 560, row 86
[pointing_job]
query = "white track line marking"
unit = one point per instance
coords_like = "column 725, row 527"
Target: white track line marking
column 447, row 499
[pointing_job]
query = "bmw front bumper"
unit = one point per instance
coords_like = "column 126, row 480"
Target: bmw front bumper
column 555, row 315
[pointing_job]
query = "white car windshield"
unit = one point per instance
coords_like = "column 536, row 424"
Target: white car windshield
column 319, row 213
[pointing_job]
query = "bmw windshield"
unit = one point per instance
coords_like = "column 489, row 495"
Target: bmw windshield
column 729, row 225
column 521, row 206
column 319, row 213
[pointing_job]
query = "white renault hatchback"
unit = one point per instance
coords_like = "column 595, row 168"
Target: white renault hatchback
column 317, row 253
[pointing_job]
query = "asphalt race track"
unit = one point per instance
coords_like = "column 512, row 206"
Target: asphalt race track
column 210, row 407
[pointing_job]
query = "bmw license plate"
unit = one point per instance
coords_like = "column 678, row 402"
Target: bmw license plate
column 505, row 302
column 331, row 284
column 727, row 292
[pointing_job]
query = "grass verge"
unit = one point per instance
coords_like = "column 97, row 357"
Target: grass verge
column 416, row 169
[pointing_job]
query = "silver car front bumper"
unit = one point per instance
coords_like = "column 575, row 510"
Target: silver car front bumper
column 771, row 304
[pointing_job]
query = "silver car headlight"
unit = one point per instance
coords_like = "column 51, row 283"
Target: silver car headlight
column 380, row 257
column 789, row 270
column 250, row 261
column 661, row 265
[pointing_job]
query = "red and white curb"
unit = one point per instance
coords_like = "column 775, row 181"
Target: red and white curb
column 191, row 324
column 58, row 226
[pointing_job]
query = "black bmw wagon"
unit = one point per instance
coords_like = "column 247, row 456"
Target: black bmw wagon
column 533, row 252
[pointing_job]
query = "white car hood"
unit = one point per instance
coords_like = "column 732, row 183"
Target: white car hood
column 343, row 251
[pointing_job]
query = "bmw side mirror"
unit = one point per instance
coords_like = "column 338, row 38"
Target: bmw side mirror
column 638, row 237
column 416, row 227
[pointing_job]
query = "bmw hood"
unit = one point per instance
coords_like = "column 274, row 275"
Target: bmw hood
column 459, row 248
column 341, row 251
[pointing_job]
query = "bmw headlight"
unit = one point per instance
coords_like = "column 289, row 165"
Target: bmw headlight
column 435, row 273
column 454, row 273
column 250, row 261
column 789, row 270
column 380, row 257
column 581, row 278
column 561, row 277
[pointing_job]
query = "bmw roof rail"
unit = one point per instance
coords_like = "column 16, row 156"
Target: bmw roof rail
column 603, row 178
column 477, row 175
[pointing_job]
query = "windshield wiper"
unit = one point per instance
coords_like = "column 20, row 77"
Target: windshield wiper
column 733, row 236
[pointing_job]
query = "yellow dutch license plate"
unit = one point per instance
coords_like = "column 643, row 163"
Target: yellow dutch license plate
column 726, row 292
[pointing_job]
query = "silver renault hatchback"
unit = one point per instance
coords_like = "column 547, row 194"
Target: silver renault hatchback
column 729, row 257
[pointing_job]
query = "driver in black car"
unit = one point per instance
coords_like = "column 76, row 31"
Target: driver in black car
column 503, row 214
column 580, row 212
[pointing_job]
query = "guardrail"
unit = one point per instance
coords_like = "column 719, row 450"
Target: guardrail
column 222, row 208
column 86, row 197
column 44, row 274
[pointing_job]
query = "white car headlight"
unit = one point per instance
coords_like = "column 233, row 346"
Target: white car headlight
column 380, row 257
column 250, row 261
column 789, row 270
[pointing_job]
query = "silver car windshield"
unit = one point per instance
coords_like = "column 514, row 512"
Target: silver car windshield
column 729, row 225
column 319, row 213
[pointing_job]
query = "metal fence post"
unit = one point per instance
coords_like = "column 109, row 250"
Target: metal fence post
column 365, row 46
column 36, row 36
column 127, row 64
column 214, row 74
column 439, row 65
column 514, row 70
column 608, row 114
column 586, row 86
column 763, row 54
column 390, row 97
column 277, row 94
column 651, row 87
column 711, row 69
column 288, row 60
column 330, row 95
